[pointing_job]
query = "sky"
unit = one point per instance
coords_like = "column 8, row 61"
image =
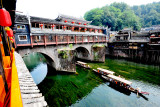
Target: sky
column 76, row 8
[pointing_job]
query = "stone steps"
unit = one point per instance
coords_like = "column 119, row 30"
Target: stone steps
column 31, row 96
column 37, row 104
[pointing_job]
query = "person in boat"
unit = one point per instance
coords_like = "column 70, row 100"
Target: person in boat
column 139, row 90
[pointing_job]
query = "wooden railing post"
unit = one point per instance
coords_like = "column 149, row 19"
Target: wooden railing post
column 45, row 42
column 98, row 39
column 88, row 39
column 93, row 38
column 56, row 40
column 82, row 38
column 67, row 39
column 102, row 38
column 31, row 37
column 75, row 39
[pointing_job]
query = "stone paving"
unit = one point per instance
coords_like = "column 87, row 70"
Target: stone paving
column 31, row 96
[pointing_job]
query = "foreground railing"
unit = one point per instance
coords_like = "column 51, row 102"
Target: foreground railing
column 15, row 96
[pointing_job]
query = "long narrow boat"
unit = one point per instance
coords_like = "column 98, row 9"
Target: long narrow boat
column 102, row 71
column 121, row 82
column 83, row 64
column 117, row 80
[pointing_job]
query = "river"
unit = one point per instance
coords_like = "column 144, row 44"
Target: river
column 87, row 89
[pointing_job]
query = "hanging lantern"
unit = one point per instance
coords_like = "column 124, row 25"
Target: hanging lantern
column 41, row 25
column 79, row 23
column 65, row 21
column 5, row 18
column 72, row 22
column 95, row 30
column 9, row 31
column 64, row 27
column 85, row 29
column 52, row 26
column 85, row 24
column 79, row 28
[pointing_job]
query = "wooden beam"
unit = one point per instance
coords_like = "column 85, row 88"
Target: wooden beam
column 88, row 39
column 2, row 72
column 98, row 39
column 56, row 40
column 75, row 39
column 93, row 38
column 45, row 40
column 5, row 42
column 31, row 37
column 67, row 39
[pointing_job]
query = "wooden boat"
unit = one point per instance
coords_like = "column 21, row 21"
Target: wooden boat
column 125, row 84
column 83, row 64
column 103, row 71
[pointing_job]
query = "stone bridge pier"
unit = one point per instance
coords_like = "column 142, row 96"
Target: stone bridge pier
column 62, row 57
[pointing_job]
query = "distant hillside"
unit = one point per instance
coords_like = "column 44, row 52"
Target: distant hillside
column 120, row 15
column 149, row 14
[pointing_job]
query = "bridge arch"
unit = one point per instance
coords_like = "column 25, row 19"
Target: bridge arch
column 49, row 59
column 82, row 53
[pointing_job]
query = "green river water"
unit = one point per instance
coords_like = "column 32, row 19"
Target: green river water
column 87, row 89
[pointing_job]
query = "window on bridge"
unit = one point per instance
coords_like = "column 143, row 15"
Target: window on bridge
column 20, row 26
column 36, row 25
column 82, row 30
column 22, row 37
column 47, row 26
column 57, row 27
column 76, row 29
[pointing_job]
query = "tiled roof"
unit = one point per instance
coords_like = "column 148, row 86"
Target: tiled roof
column 38, row 31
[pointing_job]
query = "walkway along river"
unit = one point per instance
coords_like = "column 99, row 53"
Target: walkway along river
column 89, row 90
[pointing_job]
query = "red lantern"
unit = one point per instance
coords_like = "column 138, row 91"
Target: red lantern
column 95, row 30
column 79, row 28
column 85, row 24
column 64, row 27
column 41, row 25
column 52, row 26
column 5, row 18
column 65, row 21
column 85, row 29
column 72, row 22
column 79, row 23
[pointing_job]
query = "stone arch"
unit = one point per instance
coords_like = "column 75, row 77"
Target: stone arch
column 49, row 59
column 82, row 53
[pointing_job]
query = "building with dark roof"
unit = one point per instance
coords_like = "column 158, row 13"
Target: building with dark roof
column 62, row 29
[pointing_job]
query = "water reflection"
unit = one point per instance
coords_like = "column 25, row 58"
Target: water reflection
column 39, row 73
column 88, row 89
column 36, row 64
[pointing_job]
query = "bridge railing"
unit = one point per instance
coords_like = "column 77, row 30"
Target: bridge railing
column 61, row 39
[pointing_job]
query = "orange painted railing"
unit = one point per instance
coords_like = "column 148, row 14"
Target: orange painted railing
column 10, row 95
column 15, row 99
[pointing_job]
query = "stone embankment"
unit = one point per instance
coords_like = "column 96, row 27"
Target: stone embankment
column 31, row 96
